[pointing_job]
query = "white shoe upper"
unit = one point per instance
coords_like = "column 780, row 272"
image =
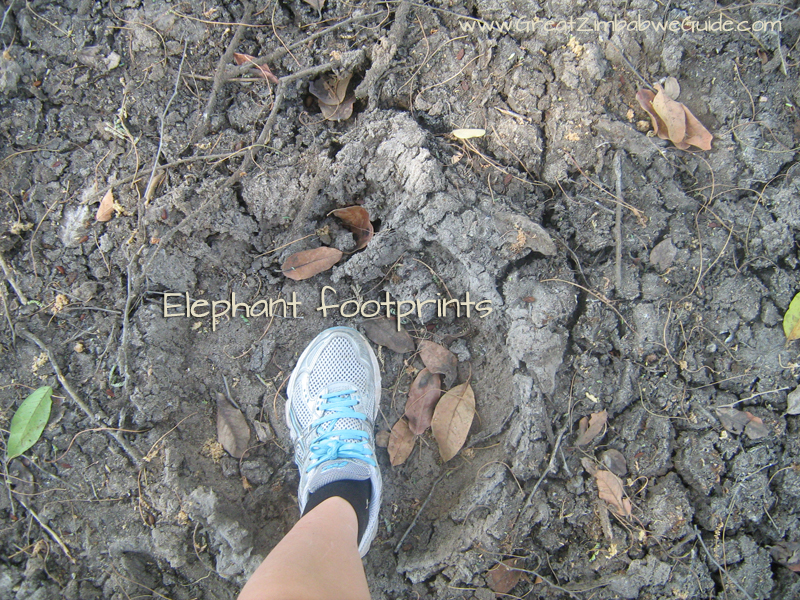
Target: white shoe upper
column 333, row 400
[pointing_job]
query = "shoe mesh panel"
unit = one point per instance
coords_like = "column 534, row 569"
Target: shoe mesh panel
column 339, row 363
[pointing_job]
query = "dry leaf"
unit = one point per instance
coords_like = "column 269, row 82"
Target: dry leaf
column 439, row 359
column 755, row 428
column 596, row 425
column 733, row 420
column 422, row 398
column 609, row 488
column 671, row 112
column 106, row 209
column 696, row 134
column 262, row 70
column 503, row 577
column 401, row 443
column 330, row 89
column 672, row 88
column 384, row 332
column 615, row 461
column 793, row 402
column 338, row 112
column 534, row 236
column 673, row 121
column 232, row 430
column 315, row 4
column 465, row 134
column 589, row 465
column 305, row 264
column 787, row 554
column 452, row 420
column 331, row 94
column 357, row 220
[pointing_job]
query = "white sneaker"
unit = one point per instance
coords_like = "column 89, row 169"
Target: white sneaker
column 333, row 398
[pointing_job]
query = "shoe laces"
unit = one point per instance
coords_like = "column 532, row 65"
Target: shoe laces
column 332, row 443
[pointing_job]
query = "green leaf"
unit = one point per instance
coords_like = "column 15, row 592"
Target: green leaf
column 29, row 421
column 791, row 320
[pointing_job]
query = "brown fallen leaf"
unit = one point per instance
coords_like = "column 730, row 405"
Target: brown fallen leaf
column 452, row 420
column 615, row 462
column 787, row 554
column 330, row 89
column 696, row 134
column 338, row 112
column 589, row 465
column 525, row 233
column 331, row 94
column 316, row 4
column 401, row 443
column 645, row 98
column 305, row 264
column 504, row 576
column 106, row 209
column 672, row 88
column 422, row 398
column 384, row 332
column 357, row 220
column 755, row 428
column 596, row 425
column 733, row 420
column 232, row 430
column 609, row 488
column 439, row 359
column 673, row 121
column 671, row 112
column 262, row 70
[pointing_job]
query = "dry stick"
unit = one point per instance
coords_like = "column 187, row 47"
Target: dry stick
column 369, row 84
column 618, row 227
column 9, row 273
column 97, row 418
column 280, row 52
column 549, row 469
column 221, row 75
column 52, row 533
column 148, row 191
column 8, row 317
column 719, row 566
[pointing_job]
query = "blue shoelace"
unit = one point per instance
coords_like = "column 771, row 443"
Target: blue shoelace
column 329, row 444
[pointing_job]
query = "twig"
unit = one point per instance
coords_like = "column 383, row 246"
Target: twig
column 618, row 227
column 52, row 533
column 148, row 192
column 549, row 468
column 419, row 512
column 9, row 273
column 8, row 317
column 630, row 66
column 220, row 75
column 281, row 52
column 732, row 404
column 368, row 87
column 100, row 416
column 719, row 566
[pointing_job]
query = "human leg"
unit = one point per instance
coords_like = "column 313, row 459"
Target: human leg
column 333, row 399
column 317, row 560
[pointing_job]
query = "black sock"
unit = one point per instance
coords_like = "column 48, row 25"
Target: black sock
column 357, row 493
